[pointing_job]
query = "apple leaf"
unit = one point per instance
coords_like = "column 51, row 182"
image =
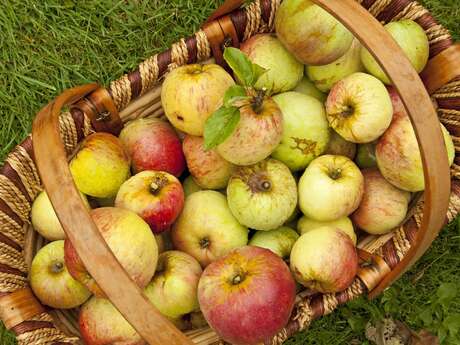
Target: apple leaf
column 246, row 72
column 235, row 94
column 220, row 125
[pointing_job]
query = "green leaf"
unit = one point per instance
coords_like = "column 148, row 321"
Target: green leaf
column 220, row 125
column 258, row 72
column 446, row 293
column 241, row 65
column 233, row 94
column 452, row 323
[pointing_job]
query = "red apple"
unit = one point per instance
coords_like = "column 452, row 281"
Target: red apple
column 324, row 260
column 383, row 206
column 153, row 145
column 208, row 168
column 129, row 238
column 247, row 296
column 156, row 196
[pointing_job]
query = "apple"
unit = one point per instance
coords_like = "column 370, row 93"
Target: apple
column 365, row 157
column 279, row 241
column 100, row 166
column 412, row 39
column 310, row 33
column 256, row 135
column 44, row 219
column 305, row 130
column 306, row 87
column 191, row 93
column 267, row 51
column 153, row 145
column 262, row 196
column 340, row 147
column 190, row 186
column 383, row 207
column 156, row 196
column 129, row 238
column 359, row 108
column 174, row 287
column 208, row 168
column 207, row 229
column 52, row 283
column 247, row 296
column 306, row 224
column 324, row 77
column 398, row 155
column 324, row 260
column 330, row 188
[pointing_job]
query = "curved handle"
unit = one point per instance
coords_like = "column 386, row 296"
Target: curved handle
column 51, row 161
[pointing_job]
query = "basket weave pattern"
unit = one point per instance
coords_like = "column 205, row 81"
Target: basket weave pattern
column 137, row 94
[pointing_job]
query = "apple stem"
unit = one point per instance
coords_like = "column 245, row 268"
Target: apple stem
column 258, row 101
column 57, row 267
column 236, row 279
column 266, row 185
column 335, row 174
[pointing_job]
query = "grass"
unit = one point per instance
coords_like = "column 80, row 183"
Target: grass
column 48, row 46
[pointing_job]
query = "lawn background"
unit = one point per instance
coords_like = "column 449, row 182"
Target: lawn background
column 48, row 46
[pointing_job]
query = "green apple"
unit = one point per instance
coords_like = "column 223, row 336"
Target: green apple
column 324, row 77
column 52, row 283
column 44, row 219
column 279, row 241
column 262, row 196
column 306, row 87
column 268, row 52
column 330, row 188
column 365, row 157
column 340, row 147
column 306, row 224
column 313, row 35
column 359, row 108
column 324, row 260
column 206, row 228
column 174, row 287
column 305, row 132
column 100, row 166
column 411, row 38
column 190, row 186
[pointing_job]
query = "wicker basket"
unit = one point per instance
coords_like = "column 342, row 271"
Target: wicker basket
column 89, row 108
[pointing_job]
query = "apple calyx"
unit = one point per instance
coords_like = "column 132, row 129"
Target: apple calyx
column 157, row 184
column 238, row 279
column 205, row 243
column 57, row 267
column 255, row 177
column 335, row 174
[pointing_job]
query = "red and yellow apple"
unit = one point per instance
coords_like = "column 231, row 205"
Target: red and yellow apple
column 330, row 188
column 383, row 207
column 100, row 166
column 257, row 134
column 156, row 196
column 52, row 283
column 310, row 33
column 191, row 93
column 262, row 196
column 324, row 260
column 129, row 238
column 207, row 229
column 359, row 108
column 305, row 130
column 306, row 224
column 340, row 147
column 247, row 296
column 153, row 145
column 267, row 51
column 279, row 241
column 208, row 168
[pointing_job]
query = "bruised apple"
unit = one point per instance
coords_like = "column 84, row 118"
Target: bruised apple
column 247, row 296
column 310, row 33
column 129, row 238
column 207, row 229
column 262, row 196
column 324, row 260
column 156, row 196
column 257, row 134
column 153, row 145
column 191, row 93
column 383, row 207
column 208, row 168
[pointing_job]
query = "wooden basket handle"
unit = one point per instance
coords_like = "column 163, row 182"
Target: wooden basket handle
column 418, row 104
column 51, row 161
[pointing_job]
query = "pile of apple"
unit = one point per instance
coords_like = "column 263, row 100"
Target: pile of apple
column 261, row 145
